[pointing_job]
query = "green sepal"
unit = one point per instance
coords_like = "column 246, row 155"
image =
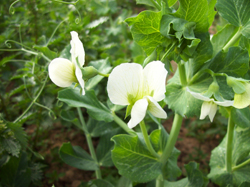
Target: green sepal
column 89, row 72
column 237, row 84
column 128, row 110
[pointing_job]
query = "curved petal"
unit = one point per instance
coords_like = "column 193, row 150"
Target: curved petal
column 61, row 72
column 124, row 84
column 224, row 103
column 138, row 112
column 198, row 95
column 155, row 80
column 77, row 49
column 242, row 100
column 155, row 109
column 208, row 109
column 78, row 73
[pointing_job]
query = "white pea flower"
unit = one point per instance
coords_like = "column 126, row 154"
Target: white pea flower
column 64, row 72
column 140, row 89
column 209, row 106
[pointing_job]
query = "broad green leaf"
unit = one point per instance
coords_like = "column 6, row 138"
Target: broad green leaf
column 77, row 157
column 11, row 145
column 70, row 117
column 194, row 11
column 239, row 13
column 149, row 2
column 99, row 128
column 100, row 183
column 202, row 54
column 194, row 178
column 124, row 182
column 245, row 184
column 95, row 108
column 241, row 117
column 46, row 51
column 19, row 133
column 221, row 38
column 241, row 149
column 133, row 160
column 16, row 172
column 159, row 140
column 181, row 101
column 236, row 12
column 245, row 43
column 235, row 62
column 102, row 66
column 145, row 29
column 211, row 13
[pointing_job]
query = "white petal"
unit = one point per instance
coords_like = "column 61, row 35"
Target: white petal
column 77, row 49
column 155, row 79
column 208, row 109
column 138, row 112
column 155, row 109
column 225, row 103
column 61, row 72
column 198, row 95
column 78, row 73
column 125, row 82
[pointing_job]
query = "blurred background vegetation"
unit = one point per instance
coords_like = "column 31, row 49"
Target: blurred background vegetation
column 33, row 32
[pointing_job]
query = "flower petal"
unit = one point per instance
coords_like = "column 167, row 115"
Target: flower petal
column 155, row 80
column 208, row 109
column 155, row 109
column 198, row 95
column 138, row 112
column 125, row 82
column 224, row 103
column 242, row 100
column 78, row 73
column 77, row 49
column 61, row 72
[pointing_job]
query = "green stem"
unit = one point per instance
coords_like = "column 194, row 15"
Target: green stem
column 123, row 125
column 147, row 141
column 90, row 143
column 241, row 165
column 31, row 104
column 102, row 74
column 168, row 51
column 182, row 74
column 156, row 4
column 233, row 40
column 159, row 182
column 172, row 138
column 229, row 148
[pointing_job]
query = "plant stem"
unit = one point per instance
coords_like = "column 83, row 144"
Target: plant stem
column 159, row 181
column 90, row 143
column 168, row 51
column 31, row 104
column 229, row 146
column 172, row 138
column 241, row 165
column 123, row 125
column 233, row 40
column 182, row 74
column 103, row 74
column 147, row 141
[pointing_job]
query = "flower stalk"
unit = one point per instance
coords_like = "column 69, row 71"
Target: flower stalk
column 229, row 145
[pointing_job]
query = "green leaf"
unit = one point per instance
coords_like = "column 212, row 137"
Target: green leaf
column 149, row 2
column 241, row 149
column 221, row 38
column 241, row 117
column 159, row 140
column 46, row 51
column 133, row 159
column 77, row 157
column 181, row 101
column 194, row 178
column 70, row 117
column 235, row 62
column 211, row 13
column 19, row 133
column 16, row 172
column 102, row 66
column 95, row 108
column 100, row 183
column 236, row 12
column 124, row 182
column 11, row 145
column 145, row 29
column 194, row 11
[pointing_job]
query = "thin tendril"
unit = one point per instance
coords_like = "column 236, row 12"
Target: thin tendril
column 7, row 43
column 12, row 9
column 25, row 85
column 68, row 3
column 55, row 31
column 78, row 20
column 51, row 113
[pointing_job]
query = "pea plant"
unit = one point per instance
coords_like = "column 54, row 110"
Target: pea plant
column 125, row 104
